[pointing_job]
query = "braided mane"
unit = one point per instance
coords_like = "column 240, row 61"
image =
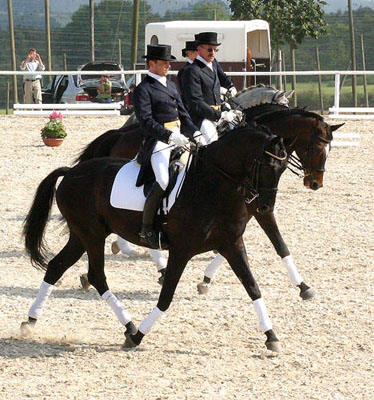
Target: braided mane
column 269, row 112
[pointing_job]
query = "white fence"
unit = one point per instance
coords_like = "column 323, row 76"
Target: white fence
column 335, row 112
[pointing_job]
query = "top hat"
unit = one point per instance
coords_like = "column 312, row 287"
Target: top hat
column 207, row 38
column 190, row 46
column 159, row 52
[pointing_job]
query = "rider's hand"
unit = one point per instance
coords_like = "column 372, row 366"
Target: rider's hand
column 228, row 116
column 178, row 139
column 222, row 91
column 232, row 92
column 199, row 138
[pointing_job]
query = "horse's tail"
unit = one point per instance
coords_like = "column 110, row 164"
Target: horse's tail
column 36, row 220
column 95, row 148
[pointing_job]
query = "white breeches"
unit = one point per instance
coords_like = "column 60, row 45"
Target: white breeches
column 160, row 163
column 209, row 130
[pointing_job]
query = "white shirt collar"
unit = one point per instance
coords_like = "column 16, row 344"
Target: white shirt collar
column 161, row 79
column 208, row 64
column 189, row 61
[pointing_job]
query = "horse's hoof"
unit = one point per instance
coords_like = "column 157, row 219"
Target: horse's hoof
column 308, row 294
column 130, row 329
column 84, row 282
column 115, row 248
column 274, row 346
column 203, row 288
column 26, row 329
column 129, row 343
column 162, row 276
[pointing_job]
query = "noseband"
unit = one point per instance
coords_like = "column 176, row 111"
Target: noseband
column 295, row 161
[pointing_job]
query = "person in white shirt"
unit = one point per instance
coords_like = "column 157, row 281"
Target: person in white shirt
column 32, row 87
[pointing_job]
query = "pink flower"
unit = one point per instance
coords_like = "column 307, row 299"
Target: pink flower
column 56, row 115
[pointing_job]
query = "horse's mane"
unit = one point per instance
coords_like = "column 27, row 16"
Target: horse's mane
column 260, row 85
column 268, row 112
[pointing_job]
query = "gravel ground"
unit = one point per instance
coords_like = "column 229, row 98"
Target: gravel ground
column 204, row 347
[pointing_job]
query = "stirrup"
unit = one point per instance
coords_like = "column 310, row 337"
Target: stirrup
column 151, row 238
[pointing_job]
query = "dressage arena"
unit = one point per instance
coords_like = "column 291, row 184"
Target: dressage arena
column 204, row 347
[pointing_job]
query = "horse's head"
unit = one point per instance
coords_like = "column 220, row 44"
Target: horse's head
column 313, row 150
column 261, row 94
column 266, row 171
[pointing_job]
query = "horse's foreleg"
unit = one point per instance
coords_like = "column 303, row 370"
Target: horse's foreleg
column 161, row 263
column 238, row 260
column 270, row 227
column 209, row 274
column 174, row 270
column 97, row 278
column 68, row 256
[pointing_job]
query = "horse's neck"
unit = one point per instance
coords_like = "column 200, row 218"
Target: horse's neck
column 255, row 96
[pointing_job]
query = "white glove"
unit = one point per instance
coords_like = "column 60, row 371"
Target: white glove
column 222, row 91
column 178, row 138
column 198, row 136
column 228, row 116
column 232, row 91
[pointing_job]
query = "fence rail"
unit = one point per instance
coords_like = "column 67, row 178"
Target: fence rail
column 335, row 112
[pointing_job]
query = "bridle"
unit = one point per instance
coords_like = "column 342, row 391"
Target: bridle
column 250, row 187
column 295, row 162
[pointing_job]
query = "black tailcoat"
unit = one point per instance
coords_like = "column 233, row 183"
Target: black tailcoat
column 155, row 104
column 180, row 80
column 201, row 88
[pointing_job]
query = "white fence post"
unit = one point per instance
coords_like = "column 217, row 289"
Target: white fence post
column 337, row 93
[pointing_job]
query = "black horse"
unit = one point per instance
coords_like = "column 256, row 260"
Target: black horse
column 210, row 213
column 305, row 133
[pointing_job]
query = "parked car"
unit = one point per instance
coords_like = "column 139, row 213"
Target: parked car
column 77, row 88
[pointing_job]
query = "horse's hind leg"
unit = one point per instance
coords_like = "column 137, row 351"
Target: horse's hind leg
column 68, row 256
column 97, row 278
column 270, row 227
column 209, row 274
column 238, row 260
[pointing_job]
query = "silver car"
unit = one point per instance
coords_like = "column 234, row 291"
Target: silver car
column 78, row 88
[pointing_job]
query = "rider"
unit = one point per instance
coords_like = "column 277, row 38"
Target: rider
column 201, row 84
column 189, row 52
column 166, row 124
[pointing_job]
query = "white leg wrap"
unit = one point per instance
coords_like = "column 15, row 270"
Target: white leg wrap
column 293, row 273
column 214, row 266
column 159, row 259
column 124, row 245
column 152, row 318
column 123, row 316
column 45, row 291
column 263, row 316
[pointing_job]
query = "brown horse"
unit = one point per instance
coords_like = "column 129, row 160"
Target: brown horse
column 210, row 213
column 305, row 133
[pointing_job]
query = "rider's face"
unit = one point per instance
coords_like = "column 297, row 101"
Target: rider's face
column 208, row 52
column 159, row 67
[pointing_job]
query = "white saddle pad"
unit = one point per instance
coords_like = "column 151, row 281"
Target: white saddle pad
column 127, row 196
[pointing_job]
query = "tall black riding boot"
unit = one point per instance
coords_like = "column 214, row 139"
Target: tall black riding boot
column 147, row 235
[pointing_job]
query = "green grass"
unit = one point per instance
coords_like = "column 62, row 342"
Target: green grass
column 3, row 111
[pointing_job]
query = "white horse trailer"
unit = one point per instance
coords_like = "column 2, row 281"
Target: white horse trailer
column 245, row 45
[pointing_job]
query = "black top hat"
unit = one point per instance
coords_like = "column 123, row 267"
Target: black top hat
column 159, row 52
column 190, row 46
column 207, row 38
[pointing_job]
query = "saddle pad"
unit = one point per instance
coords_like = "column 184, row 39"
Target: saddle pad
column 127, row 196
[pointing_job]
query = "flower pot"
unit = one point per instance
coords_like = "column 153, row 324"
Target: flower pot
column 52, row 142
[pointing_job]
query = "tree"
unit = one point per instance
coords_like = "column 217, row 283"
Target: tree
column 290, row 20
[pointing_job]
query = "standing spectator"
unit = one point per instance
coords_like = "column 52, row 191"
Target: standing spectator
column 104, row 90
column 32, row 87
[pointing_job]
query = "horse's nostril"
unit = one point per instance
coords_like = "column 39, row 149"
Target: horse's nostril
column 315, row 185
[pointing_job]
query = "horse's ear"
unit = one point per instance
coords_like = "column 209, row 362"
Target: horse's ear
column 335, row 127
column 289, row 93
